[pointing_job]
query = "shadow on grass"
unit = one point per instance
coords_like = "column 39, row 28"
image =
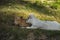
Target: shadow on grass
column 11, row 32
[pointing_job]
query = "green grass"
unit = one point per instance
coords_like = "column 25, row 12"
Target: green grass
column 27, row 10
column 24, row 8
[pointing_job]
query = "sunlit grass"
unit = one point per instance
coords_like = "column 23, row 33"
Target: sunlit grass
column 22, row 10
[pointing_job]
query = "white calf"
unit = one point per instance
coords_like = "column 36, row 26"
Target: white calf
column 48, row 25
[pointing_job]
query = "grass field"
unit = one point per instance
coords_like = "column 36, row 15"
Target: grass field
column 25, row 7
column 42, row 11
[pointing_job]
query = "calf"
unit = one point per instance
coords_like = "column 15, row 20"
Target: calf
column 20, row 21
column 48, row 25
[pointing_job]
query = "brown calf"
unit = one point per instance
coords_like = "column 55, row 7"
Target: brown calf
column 21, row 22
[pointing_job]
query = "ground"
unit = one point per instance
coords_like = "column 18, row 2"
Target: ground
column 11, row 8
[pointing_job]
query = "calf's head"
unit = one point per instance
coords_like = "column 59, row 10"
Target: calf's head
column 21, row 22
column 30, row 18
